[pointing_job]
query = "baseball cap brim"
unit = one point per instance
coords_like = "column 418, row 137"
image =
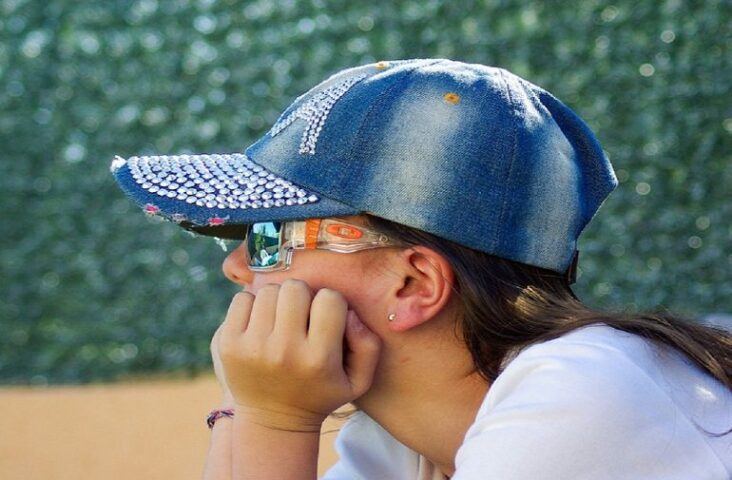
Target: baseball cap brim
column 217, row 194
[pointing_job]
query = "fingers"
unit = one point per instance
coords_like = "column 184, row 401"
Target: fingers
column 293, row 310
column 292, row 313
column 328, row 323
column 262, row 317
column 270, row 354
column 237, row 317
column 282, row 309
column 362, row 354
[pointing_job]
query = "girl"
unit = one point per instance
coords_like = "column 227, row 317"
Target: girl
column 409, row 239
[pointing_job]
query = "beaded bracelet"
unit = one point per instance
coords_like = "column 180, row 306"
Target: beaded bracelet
column 216, row 414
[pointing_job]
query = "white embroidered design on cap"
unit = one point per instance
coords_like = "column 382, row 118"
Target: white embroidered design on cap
column 315, row 111
column 229, row 181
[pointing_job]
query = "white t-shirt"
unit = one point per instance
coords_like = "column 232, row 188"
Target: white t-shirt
column 597, row 403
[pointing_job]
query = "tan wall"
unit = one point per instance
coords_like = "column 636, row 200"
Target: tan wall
column 147, row 429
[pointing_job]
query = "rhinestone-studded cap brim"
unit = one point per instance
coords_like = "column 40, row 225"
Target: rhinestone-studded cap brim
column 217, row 190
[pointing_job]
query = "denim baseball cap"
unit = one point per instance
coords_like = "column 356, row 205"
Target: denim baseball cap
column 470, row 153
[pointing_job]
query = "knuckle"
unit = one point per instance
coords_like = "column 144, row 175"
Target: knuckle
column 245, row 355
column 329, row 292
column 371, row 344
column 267, row 294
column 278, row 358
column 364, row 387
column 244, row 300
column 293, row 282
column 227, row 351
column 330, row 296
column 269, row 289
column 313, row 366
column 245, row 296
column 296, row 285
column 229, row 348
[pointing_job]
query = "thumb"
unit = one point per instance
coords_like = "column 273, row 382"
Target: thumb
column 361, row 355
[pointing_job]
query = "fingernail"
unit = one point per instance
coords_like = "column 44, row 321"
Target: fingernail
column 353, row 321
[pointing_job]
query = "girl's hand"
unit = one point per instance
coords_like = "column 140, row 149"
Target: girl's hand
column 291, row 359
column 227, row 400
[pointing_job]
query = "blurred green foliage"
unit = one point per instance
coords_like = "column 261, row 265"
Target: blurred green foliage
column 94, row 290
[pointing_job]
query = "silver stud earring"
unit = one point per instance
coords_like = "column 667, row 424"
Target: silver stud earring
column 392, row 317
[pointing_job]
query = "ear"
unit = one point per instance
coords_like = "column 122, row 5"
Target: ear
column 426, row 287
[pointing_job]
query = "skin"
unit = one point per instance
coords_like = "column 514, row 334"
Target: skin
column 280, row 358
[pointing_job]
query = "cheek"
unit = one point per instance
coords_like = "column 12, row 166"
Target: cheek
column 369, row 296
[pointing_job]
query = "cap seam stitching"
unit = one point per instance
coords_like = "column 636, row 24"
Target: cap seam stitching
column 378, row 98
column 513, row 157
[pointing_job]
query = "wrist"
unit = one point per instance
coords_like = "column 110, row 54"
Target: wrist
column 215, row 415
column 280, row 420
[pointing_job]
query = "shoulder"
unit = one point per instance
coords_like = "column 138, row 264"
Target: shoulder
column 584, row 360
column 594, row 403
column 597, row 377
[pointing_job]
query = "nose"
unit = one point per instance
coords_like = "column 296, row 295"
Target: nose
column 235, row 267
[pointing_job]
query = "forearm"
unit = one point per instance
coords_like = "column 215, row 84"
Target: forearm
column 218, row 460
column 260, row 451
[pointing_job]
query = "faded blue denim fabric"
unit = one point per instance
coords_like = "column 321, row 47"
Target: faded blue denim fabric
column 467, row 152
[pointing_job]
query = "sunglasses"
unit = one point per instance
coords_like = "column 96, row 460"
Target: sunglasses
column 269, row 245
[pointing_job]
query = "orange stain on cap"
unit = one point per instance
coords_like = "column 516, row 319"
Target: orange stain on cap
column 452, row 97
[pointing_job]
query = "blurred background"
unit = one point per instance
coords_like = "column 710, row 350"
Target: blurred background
column 92, row 290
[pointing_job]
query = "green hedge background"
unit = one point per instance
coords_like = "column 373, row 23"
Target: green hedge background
column 93, row 290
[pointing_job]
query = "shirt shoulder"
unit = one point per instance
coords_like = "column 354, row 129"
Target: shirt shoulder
column 596, row 403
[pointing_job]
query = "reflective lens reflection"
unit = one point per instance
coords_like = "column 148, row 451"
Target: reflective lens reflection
column 263, row 243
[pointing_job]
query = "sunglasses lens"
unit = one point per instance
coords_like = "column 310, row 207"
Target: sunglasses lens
column 263, row 244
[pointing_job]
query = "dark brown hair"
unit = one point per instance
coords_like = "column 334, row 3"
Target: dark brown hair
column 507, row 306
